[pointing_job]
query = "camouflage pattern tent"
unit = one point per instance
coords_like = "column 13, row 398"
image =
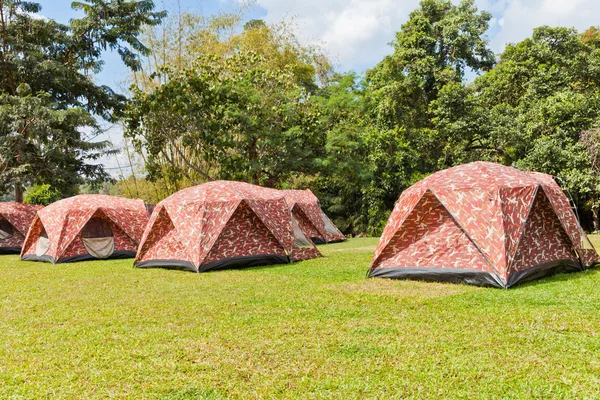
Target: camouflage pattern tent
column 86, row 227
column 222, row 224
column 15, row 220
column 314, row 223
column 484, row 224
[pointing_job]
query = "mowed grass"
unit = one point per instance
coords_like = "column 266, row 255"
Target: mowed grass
column 315, row 329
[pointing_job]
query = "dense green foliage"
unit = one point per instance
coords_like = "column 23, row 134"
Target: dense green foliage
column 224, row 118
column 540, row 99
column 47, row 93
column 431, row 52
column 221, row 97
column 312, row 330
column 359, row 142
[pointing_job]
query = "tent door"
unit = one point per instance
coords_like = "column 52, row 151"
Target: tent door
column 98, row 238
column 6, row 229
column 43, row 244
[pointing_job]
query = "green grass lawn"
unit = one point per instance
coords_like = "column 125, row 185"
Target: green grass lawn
column 316, row 329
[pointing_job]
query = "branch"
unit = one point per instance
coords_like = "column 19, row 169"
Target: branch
column 203, row 173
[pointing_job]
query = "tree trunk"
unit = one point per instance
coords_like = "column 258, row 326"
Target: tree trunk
column 18, row 193
column 596, row 218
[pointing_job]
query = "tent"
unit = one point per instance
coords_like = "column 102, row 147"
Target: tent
column 484, row 224
column 85, row 227
column 15, row 220
column 314, row 223
column 222, row 224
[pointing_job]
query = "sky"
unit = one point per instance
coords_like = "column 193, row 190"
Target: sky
column 356, row 33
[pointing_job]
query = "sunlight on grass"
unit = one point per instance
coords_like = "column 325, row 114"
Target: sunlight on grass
column 316, row 329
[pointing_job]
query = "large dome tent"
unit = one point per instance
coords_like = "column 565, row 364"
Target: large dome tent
column 85, row 227
column 15, row 220
column 485, row 224
column 222, row 224
column 314, row 223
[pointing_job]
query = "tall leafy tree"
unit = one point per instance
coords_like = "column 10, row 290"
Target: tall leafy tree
column 432, row 52
column 48, row 94
column 591, row 142
column 342, row 168
column 434, row 48
column 531, row 109
column 275, row 77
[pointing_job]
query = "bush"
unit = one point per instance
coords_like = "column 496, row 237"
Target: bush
column 41, row 194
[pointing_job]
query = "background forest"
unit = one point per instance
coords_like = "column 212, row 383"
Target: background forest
column 225, row 97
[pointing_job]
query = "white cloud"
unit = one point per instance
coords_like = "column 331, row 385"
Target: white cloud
column 357, row 32
column 521, row 16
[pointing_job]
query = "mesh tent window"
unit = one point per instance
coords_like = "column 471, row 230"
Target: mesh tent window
column 6, row 229
column 300, row 239
column 98, row 238
column 329, row 228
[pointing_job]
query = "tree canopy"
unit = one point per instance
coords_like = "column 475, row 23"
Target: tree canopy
column 49, row 102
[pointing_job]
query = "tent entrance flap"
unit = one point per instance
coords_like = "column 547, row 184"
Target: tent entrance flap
column 6, row 229
column 98, row 238
column 43, row 244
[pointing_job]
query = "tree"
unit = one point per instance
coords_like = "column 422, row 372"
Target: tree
column 185, row 36
column 591, row 142
column 342, row 172
column 531, row 109
column 432, row 51
column 224, row 118
column 48, row 96
column 274, row 69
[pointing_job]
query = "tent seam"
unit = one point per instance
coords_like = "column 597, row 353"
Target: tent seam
column 537, row 188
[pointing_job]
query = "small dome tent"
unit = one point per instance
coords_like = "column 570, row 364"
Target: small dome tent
column 15, row 220
column 222, row 224
column 484, row 224
column 314, row 223
column 86, row 227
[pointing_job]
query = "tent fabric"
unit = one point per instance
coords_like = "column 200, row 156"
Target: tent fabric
column 86, row 227
column 314, row 223
column 15, row 220
column 222, row 224
column 485, row 224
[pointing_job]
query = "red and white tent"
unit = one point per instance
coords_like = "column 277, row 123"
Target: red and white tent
column 222, row 224
column 84, row 227
column 314, row 223
column 484, row 224
column 15, row 220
